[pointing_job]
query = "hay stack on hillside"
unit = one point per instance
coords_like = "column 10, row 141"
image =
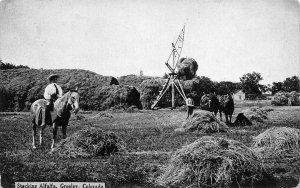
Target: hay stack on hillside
column 212, row 162
column 133, row 80
column 256, row 114
column 203, row 121
column 88, row 143
column 277, row 141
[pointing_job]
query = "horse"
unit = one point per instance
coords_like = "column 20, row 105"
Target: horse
column 210, row 102
column 227, row 107
column 60, row 115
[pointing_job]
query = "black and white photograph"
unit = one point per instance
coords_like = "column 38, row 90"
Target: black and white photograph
column 149, row 93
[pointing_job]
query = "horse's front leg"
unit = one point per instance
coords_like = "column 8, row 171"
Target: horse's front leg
column 64, row 131
column 54, row 130
column 230, row 117
column 226, row 116
column 33, row 135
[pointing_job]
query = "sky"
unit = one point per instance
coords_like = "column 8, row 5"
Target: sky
column 227, row 38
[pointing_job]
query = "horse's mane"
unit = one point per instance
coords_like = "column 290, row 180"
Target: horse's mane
column 60, row 103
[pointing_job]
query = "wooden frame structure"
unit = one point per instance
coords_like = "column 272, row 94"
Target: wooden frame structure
column 173, row 81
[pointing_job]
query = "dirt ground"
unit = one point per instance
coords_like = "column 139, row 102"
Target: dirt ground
column 150, row 140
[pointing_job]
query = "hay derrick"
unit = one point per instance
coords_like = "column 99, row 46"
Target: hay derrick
column 277, row 141
column 204, row 121
column 88, row 143
column 212, row 162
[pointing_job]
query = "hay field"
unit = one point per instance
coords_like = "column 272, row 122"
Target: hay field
column 150, row 141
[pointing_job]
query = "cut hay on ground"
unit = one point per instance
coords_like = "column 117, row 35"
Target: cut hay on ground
column 212, row 162
column 88, row 143
column 277, row 141
column 203, row 121
column 256, row 114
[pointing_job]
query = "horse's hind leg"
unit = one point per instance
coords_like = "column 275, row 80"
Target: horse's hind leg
column 54, row 130
column 33, row 135
column 41, row 135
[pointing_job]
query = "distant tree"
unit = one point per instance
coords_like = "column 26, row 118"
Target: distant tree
column 250, row 83
column 277, row 86
column 226, row 87
column 291, row 84
column 4, row 66
column 206, row 85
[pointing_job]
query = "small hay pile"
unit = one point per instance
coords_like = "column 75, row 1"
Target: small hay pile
column 277, row 141
column 256, row 114
column 212, row 162
column 242, row 120
column 282, row 98
column 88, row 143
column 203, row 121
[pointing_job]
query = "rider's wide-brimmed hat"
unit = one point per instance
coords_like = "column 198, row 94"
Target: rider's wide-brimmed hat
column 52, row 76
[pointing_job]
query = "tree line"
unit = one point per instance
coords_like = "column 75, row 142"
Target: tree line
column 5, row 66
column 249, row 84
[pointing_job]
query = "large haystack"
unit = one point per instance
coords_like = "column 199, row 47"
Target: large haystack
column 187, row 68
column 277, row 141
column 286, row 99
column 116, row 97
column 256, row 114
column 27, row 85
column 133, row 80
column 88, row 143
column 150, row 90
column 212, row 162
column 204, row 121
column 294, row 99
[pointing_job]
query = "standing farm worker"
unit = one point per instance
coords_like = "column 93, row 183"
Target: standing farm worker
column 52, row 92
column 190, row 106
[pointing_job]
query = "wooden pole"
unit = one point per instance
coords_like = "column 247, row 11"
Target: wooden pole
column 173, row 94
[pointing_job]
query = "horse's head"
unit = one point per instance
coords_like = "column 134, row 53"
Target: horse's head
column 73, row 100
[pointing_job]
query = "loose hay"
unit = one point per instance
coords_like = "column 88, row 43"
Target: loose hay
column 88, row 143
column 212, row 162
column 256, row 114
column 204, row 121
column 277, row 141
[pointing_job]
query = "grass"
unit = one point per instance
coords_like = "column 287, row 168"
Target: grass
column 150, row 141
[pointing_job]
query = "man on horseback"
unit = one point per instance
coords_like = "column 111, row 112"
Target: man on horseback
column 52, row 92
